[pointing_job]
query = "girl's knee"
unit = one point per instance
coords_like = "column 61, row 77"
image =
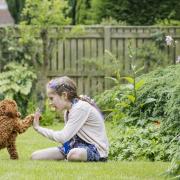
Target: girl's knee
column 77, row 155
column 34, row 156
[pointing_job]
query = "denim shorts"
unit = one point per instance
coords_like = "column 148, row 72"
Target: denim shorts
column 77, row 142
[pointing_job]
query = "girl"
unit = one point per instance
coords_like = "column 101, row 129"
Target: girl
column 83, row 136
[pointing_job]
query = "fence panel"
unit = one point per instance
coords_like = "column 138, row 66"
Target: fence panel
column 69, row 55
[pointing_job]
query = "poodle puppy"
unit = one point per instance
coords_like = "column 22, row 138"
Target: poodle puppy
column 11, row 125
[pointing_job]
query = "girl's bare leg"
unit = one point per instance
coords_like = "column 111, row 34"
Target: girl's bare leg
column 77, row 154
column 48, row 154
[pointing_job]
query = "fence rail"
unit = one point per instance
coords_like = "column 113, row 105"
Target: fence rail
column 68, row 55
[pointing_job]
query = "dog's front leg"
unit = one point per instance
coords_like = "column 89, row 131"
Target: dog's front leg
column 12, row 151
column 22, row 125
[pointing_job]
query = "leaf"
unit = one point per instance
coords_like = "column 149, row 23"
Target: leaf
column 16, row 79
column 131, row 98
column 150, row 100
column 122, row 104
column 139, row 84
column 140, row 69
column 113, row 79
column 109, row 53
column 129, row 79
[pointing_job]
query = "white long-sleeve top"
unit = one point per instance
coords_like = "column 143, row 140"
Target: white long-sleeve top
column 85, row 121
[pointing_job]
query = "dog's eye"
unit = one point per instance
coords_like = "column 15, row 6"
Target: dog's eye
column 3, row 107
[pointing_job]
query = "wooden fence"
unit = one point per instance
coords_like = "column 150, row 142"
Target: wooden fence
column 67, row 58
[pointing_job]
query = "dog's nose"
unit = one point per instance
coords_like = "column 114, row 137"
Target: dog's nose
column 18, row 114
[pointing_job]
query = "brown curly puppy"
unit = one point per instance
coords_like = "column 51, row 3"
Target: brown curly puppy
column 11, row 125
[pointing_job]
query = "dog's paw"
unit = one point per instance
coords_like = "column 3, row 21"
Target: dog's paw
column 31, row 117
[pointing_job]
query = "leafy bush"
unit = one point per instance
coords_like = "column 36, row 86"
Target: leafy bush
column 158, row 99
column 174, row 169
column 48, row 117
column 151, row 57
column 157, row 104
column 45, row 12
column 16, row 83
column 140, row 143
column 107, row 100
column 19, row 46
column 135, row 12
column 163, row 87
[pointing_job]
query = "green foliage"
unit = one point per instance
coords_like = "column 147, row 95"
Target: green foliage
column 156, row 111
column 151, row 57
column 16, row 44
column 15, row 7
column 159, row 100
column 45, row 13
column 109, row 98
column 141, row 143
column 107, row 63
column 15, row 79
column 135, row 12
column 41, row 14
column 174, row 169
column 111, row 21
column 134, row 83
column 32, row 105
column 159, row 38
column 83, row 13
column 168, row 22
column 48, row 116
column 16, row 82
column 163, row 86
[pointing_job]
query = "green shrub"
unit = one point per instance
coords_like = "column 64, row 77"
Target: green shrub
column 163, row 86
column 135, row 12
column 157, row 104
column 16, row 82
column 151, row 57
column 50, row 116
column 107, row 100
column 138, row 143
column 174, row 169
column 157, row 100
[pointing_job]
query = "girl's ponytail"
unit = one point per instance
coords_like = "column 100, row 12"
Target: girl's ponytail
column 90, row 101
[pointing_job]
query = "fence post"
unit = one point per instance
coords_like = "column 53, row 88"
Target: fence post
column 107, row 38
column 107, row 46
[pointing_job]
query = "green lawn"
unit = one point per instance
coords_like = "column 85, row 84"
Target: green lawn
column 27, row 169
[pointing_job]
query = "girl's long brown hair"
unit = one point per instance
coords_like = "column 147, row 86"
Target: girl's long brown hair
column 66, row 84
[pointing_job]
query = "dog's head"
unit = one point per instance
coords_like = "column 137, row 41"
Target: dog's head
column 9, row 108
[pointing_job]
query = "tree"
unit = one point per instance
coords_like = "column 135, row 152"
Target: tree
column 135, row 12
column 72, row 10
column 79, row 11
column 41, row 14
column 15, row 8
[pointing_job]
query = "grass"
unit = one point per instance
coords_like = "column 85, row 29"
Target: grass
column 25, row 169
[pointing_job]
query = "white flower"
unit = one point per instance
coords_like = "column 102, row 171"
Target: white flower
column 178, row 59
column 169, row 40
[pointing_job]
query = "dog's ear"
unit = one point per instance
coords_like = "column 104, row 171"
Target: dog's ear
column 2, row 109
column 9, row 108
column 11, row 114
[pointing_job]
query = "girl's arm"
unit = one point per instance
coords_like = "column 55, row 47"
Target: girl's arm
column 76, row 119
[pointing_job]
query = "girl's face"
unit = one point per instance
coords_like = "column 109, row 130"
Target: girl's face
column 59, row 102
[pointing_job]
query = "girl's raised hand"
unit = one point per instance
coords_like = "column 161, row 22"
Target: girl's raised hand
column 37, row 117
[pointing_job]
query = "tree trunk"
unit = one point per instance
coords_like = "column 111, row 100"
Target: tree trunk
column 43, row 72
